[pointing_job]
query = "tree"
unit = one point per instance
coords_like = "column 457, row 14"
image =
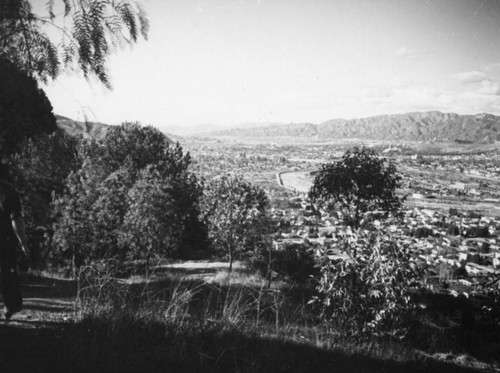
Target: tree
column 96, row 28
column 133, row 197
column 163, row 214
column 360, row 182
column 150, row 225
column 39, row 170
column 232, row 209
column 25, row 111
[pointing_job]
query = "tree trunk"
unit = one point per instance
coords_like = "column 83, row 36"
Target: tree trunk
column 230, row 262
column 269, row 268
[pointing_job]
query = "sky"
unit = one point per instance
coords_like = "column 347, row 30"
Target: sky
column 238, row 61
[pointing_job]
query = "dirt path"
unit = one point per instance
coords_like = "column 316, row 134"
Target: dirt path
column 51, row 300
column 45, row 300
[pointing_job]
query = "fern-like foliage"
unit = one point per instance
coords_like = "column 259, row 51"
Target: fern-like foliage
column 96, row 29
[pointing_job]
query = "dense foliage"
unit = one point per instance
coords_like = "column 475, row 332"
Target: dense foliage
column 25, row 111
column 39, row 171
column 360, row 182
column 132, row 198
column 89, row 29
column 295, row 262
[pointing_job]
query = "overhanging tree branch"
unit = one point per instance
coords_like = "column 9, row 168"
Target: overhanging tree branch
column 97, row 28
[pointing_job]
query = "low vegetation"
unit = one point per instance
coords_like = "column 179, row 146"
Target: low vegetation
column 165, row 322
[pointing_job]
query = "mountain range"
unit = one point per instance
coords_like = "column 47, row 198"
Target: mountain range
column 417, row 126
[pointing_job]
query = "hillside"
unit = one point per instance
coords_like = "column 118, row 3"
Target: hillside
column 93, row 130
column 85, row 129
column 419, row 126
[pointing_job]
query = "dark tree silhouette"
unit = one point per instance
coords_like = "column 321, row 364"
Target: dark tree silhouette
column 360, row 182
column 25, row 110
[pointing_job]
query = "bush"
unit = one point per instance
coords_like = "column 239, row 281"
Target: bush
column 477, row 231
column 295, row 262
column 452, row 230
column 422, row 232
column 368, row 294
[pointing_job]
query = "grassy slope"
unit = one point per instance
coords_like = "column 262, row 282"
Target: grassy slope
column 124, row 346
column 179, row 325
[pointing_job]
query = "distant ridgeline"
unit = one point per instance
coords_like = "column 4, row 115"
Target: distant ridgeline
column 418, row 126
column 86, row 129
column 94, row 130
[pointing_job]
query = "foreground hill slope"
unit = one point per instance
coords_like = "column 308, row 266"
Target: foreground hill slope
column 418, row 126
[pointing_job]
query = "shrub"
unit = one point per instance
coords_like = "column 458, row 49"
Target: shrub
column 477, row 231
column 295, row 262
column 422, row 232
column 452, row 230
column 368, row 294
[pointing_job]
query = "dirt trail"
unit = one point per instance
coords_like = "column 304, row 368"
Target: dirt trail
column 51, row 300
column 45, row 300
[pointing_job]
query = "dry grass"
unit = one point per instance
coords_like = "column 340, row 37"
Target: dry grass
column 174, row 323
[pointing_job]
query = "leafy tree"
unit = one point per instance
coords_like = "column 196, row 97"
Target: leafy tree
column 96, row 28
column 39, row 170
column 358, row 183
column 73, row 223
column 233, row 210
column 422, row 232
column 162, row 218
column 107, row 212
column 133, row 197
column 134, row 146
column 25, row 111
column 369, row 293
column 150, row 226
column 477, row 231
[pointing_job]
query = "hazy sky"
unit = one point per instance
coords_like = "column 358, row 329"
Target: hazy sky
column 234, row 61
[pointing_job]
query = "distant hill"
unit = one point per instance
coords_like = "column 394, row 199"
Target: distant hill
column 201, row 129
column 87, row 130
column 418, row 126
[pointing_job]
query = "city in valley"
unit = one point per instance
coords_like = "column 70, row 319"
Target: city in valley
column 451, row 211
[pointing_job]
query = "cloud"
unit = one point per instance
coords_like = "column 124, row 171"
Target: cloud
column 410, row 54
column 468, row 77
column 427, row 98
column 374, row 92
column 489, row 87
column 493, row 67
